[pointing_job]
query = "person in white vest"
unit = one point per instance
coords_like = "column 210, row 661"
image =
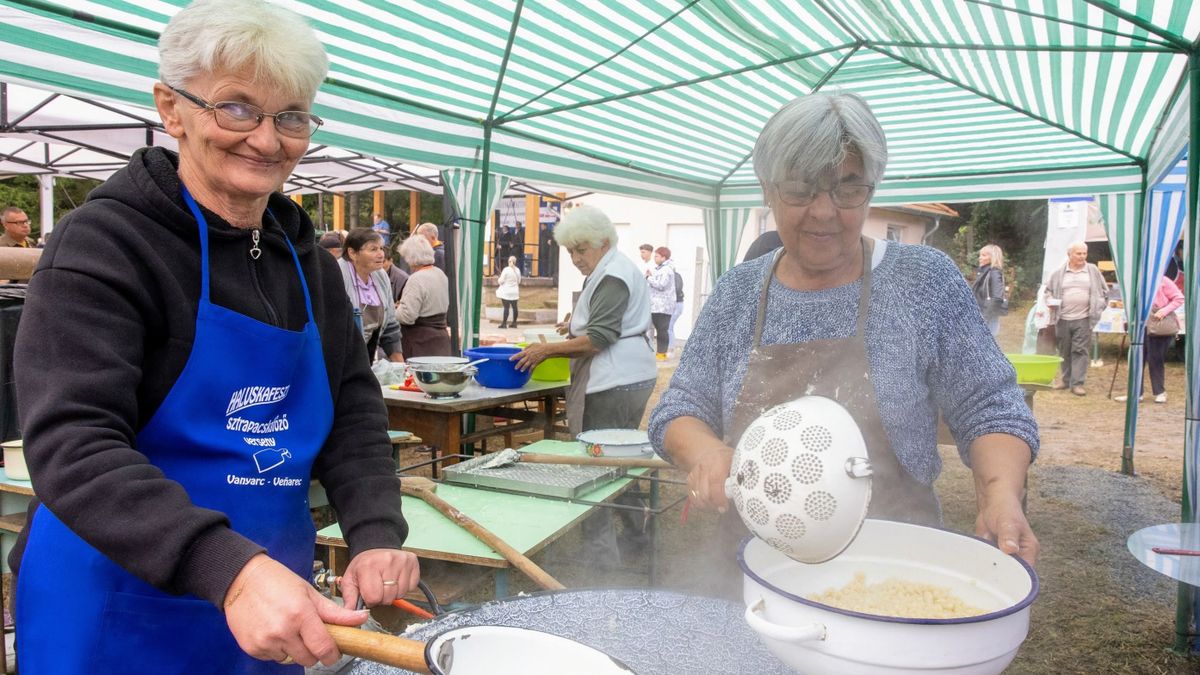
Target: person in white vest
column 612, row 364
column 613, row 370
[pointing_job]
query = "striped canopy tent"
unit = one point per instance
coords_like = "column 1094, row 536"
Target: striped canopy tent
column 663, row 99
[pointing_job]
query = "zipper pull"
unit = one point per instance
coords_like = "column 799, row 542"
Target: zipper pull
column 255, row 251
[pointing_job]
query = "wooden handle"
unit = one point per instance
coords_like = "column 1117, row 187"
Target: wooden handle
column 625, row 462
column 512, row 555
column 380, row 647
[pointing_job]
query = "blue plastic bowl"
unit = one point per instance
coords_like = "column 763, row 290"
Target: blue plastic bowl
column 498, row 372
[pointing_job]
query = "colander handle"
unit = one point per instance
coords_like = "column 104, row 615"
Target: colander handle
column 808, row 633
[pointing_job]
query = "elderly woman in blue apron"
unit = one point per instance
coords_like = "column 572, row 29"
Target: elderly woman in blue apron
column 888, row 330
column 189, row 361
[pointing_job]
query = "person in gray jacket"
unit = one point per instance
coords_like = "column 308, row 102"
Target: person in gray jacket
column 370, row 291
column 1076, row 295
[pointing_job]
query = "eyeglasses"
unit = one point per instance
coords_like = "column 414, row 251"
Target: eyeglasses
column 238, row 116
column 17, row 222
column 843, row 195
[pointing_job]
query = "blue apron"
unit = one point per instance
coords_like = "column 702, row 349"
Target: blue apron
column 239, row 431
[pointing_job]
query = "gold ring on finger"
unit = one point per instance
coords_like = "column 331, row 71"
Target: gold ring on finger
column 286, row 660
column 389, row 582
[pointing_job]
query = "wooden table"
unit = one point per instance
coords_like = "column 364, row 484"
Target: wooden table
column 529, row 524
column 440, row 421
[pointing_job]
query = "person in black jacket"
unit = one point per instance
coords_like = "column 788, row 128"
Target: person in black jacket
column 989, row 286
column 188, row 361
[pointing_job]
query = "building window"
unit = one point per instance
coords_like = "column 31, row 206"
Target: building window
column 895, row 233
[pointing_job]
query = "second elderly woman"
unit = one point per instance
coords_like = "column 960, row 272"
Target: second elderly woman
column 889, row 331
column 424, row 302
column 209, row 368
column 370, row 291
column 612, row 365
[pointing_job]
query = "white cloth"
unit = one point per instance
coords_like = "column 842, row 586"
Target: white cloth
column 630, row 359
column 508, row 287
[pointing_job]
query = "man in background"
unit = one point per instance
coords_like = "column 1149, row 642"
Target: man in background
column 430, row 232
column 1076, row 295
column 383, row 228
column 16, row 229
column 646, row 250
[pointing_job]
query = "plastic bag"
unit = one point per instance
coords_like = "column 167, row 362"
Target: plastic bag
column 388, row 372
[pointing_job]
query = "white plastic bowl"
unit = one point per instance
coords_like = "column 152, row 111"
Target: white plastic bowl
column 14, row 460
column 814, row 638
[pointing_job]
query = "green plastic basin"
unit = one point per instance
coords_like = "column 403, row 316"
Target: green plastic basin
column 1035, row 368
column 553, row 369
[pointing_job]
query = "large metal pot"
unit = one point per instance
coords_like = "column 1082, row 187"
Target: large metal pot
column 815, row 638
column 652, row 632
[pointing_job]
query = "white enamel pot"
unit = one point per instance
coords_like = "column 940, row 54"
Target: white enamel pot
column 821, row 640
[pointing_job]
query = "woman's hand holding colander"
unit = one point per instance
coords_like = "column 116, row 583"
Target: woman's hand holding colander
column 706, row 478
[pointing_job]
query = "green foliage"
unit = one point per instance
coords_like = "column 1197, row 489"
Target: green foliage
column 1018, row 227
column 395, row 209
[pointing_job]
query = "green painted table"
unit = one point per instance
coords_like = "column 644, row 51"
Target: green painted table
column 527, row 523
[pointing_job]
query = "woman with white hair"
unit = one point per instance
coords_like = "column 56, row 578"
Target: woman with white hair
column 889, row 331
column 989, row 287
column 424, row 302
column 209, row 368
column 612, row 364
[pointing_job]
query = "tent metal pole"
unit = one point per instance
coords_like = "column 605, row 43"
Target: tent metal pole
column 1105, row 49
column 1185, row 610
column 603, row 61
column 979, row 92
column 1137, row 337
column 674, row 85
column 1147, row 26
column 1076, row 24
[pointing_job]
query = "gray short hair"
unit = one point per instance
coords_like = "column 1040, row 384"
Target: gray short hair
column 209, row 36
column 428, row 229
column 814, row 133
column 416, row 250
column 585, row 225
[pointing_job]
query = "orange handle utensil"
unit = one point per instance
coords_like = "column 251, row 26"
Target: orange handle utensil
column 1163, row 550
column 411, row 608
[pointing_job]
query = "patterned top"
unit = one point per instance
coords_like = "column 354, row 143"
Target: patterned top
column 927, row 344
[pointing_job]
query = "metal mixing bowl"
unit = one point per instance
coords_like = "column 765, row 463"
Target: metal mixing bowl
column 441, row 380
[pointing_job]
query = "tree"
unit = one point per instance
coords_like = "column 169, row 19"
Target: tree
column 1018, row 227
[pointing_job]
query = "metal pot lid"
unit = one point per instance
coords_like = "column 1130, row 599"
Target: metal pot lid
column 800, row 478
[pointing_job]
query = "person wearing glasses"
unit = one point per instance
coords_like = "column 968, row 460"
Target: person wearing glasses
column 16, row 229
column 890, row 331
column 208, row 368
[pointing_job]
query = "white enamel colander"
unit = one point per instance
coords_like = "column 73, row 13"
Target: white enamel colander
column 800, row 478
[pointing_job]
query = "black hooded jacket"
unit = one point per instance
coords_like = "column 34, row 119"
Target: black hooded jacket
column 106, row 330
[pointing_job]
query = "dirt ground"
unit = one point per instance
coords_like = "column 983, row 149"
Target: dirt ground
column 1099, row 611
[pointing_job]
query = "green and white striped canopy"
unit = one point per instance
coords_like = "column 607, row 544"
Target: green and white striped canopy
column 664, row 98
